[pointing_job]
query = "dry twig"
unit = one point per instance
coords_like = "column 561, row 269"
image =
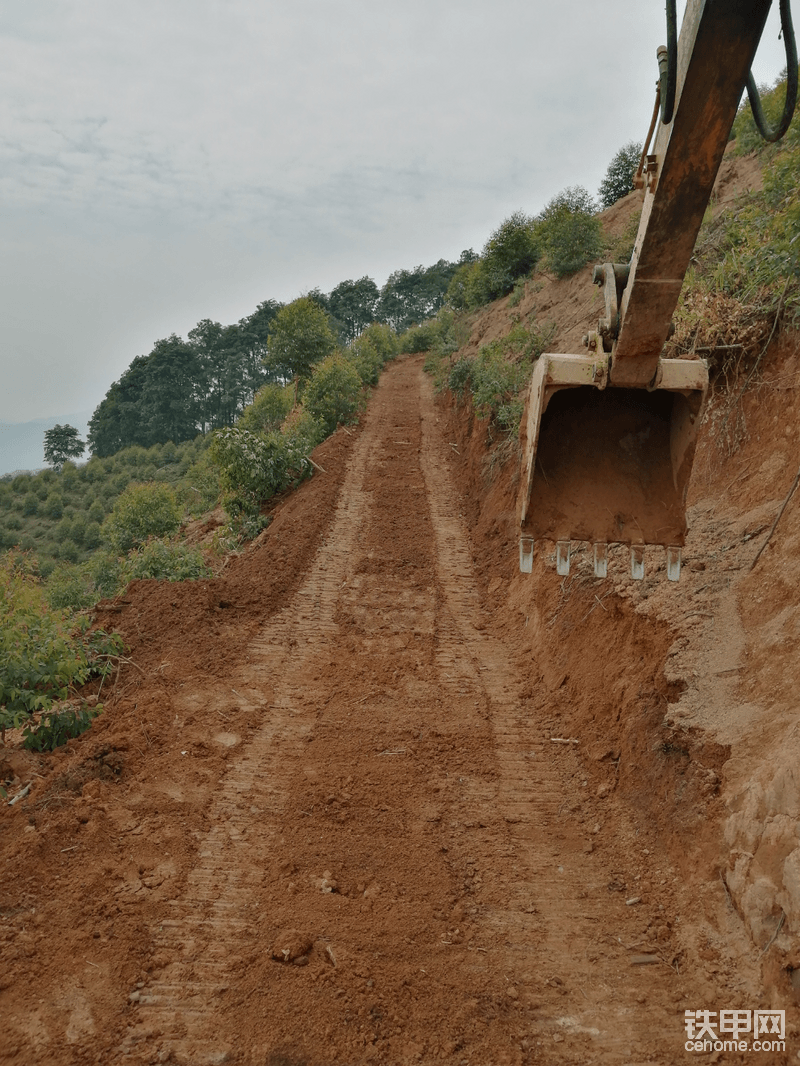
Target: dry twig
column 777, row 519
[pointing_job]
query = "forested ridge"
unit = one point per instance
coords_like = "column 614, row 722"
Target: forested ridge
column 183, row 388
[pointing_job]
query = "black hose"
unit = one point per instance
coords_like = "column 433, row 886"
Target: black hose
column 669, row 76
column 791, row 83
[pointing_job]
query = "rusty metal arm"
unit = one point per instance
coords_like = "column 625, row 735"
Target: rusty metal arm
column 718, row 41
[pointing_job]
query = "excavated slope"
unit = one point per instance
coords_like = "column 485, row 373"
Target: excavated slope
column 372, row 796
column 327, row 815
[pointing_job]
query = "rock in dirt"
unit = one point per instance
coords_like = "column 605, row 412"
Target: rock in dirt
column 290, row 944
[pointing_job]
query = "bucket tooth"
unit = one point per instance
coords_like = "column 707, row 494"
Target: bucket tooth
column 562, row 557
column 673, row 563
column 601, row 560
column 525, row 555
column 637, row 561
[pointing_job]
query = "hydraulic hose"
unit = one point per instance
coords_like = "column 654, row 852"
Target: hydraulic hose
column 768, row 133
column 668, row 64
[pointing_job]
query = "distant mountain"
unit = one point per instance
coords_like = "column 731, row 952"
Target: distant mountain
column 22, row 443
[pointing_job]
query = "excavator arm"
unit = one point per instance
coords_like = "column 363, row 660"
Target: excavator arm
column 609, row 437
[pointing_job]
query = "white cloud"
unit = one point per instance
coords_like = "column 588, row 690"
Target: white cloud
column 163, row 162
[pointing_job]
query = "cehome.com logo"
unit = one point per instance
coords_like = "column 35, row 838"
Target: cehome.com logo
column 733, row 1029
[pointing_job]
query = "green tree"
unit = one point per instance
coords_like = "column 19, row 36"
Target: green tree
column 618, row 181
column 141, row 512
column 353, row 303
column 383, row 339
column 367, row 360
column 253, row 467
column 569, row 230
column 30, row 504
column 300, row 336
column 511, row 252
column 411, row 296
column 118, row 420
column 169, row 405
column 333, row 395
column 62, row 443
column 54, row 505
column 268, row 410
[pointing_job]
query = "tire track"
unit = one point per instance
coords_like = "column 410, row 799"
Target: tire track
column 472, row 916
column 557, row 914
column 207, row 928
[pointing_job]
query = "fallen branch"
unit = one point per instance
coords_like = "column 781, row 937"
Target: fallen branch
column 315, row 465
column 774, row 936
column 777, row 519
column 564, row 740
column 130, row 662
column 21, row 795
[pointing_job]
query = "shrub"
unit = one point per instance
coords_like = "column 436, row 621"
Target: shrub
column 366, row 359
column 57, row 727
column 78, row 530
column 618, row 180
column 43, row 654
column 570, row 231
column 96, row 512
column 167, row 561
column 92, row 536
column 169, row 453
column 517, row 293
column 70, row 587
column 8, row 539
column 68, row 551
column 500, row 372
column 466, row 290
column 141, row 512
column 254, row 467
column 511, row 252
column 268, row 410
column 383, row 339
column 201, row 488
column 69, row 476
column 333, row 395
column 30, row 504
column 459, row 378
column 107, row 573
column 419, row 338
column 302, row 432
column 495, row 385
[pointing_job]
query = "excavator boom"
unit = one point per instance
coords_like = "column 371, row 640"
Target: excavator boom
column 609, row 437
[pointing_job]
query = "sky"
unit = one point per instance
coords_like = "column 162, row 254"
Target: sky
column 165, row 161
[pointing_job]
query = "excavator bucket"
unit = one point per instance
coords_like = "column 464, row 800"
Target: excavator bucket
column 610, row 436
column 608, row 465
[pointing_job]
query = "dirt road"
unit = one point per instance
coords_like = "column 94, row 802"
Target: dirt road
column 361, row 838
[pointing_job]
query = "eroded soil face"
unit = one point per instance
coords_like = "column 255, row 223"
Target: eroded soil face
column 334, row 811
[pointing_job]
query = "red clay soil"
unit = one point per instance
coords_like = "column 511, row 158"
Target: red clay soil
column 371, row 796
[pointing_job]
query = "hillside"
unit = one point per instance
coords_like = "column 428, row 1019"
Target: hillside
column 371, row 795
